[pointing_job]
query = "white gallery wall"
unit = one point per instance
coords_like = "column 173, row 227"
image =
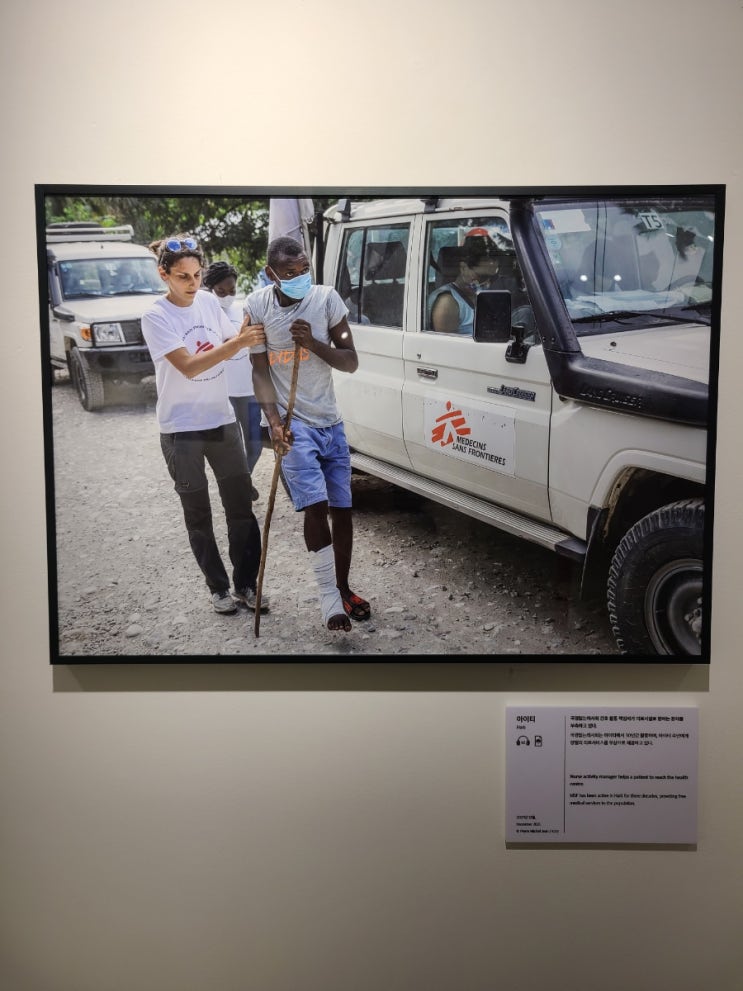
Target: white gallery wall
column 312, row 828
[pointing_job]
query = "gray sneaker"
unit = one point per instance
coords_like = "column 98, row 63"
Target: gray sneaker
column 248, row 596
column 223, row 602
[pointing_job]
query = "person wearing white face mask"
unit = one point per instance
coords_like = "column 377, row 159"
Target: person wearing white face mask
column 221, row 280
column 316, row 461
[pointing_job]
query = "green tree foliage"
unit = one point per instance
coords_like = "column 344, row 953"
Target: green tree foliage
column 228, row 228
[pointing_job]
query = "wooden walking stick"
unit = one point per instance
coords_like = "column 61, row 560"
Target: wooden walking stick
column 272, row 493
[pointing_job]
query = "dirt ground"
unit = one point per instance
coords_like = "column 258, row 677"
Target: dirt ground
column 438, row 581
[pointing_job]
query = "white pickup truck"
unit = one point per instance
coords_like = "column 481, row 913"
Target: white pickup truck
column 99, row 283
column 542, row 363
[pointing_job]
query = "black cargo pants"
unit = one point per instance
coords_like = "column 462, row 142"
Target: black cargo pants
column 186, row 455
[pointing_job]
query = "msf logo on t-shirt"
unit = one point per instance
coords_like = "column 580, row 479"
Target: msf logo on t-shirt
column 449, row 426
column 286, row 357
column 201, row 333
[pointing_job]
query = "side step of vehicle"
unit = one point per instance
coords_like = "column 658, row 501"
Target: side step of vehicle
column 504, row 519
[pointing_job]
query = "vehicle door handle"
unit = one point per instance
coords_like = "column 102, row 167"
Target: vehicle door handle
column 428, row 373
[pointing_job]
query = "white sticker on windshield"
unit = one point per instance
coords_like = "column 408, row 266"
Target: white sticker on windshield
column 650, row 220
column 563, row 221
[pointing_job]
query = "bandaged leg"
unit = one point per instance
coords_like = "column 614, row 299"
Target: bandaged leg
column 323, row 564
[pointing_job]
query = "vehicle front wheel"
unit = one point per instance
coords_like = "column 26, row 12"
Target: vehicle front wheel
column 87, row 381
column 655, row 582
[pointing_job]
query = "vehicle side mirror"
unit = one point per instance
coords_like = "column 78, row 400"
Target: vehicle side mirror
column 63, row 314
column 493, row 316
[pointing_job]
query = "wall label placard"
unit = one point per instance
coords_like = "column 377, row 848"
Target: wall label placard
column 601, row 775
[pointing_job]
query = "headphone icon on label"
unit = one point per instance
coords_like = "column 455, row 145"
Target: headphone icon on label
column 522, row 741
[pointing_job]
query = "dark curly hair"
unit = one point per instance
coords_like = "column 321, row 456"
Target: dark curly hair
column 283, row 247
column 218, row 272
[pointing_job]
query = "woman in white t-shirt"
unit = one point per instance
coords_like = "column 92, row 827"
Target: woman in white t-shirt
column 190, row 340
column 221, row 279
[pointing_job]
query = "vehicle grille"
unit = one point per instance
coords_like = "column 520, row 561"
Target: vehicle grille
column 132, row 330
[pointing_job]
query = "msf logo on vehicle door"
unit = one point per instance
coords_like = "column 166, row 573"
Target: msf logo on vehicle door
column 472, row 434
column 450, row 426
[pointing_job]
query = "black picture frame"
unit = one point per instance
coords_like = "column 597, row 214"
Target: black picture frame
column 60, row 623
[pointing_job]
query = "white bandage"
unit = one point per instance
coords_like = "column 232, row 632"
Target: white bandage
column 323, row 564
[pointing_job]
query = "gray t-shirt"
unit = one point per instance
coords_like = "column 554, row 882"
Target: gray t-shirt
column 322, row 308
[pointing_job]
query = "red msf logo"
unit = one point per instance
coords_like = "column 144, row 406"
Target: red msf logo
column 205, row 346
column 449, row 426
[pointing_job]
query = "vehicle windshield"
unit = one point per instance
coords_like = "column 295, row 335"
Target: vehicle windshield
column 632, row 263
column 93, row 277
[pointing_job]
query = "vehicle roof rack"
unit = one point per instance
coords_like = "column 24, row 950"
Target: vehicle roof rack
column 83, row 231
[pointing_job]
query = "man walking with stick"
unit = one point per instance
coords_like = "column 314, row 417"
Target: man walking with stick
column 296, row 314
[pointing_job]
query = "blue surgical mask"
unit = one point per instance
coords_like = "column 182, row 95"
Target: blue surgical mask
column 298, row 287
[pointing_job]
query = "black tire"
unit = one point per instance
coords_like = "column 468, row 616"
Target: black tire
column 655, row 582
column 87, row 381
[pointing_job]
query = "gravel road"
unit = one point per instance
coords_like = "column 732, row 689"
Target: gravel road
column 438, row 581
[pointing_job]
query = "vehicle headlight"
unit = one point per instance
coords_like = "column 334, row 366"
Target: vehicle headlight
column 108, row 333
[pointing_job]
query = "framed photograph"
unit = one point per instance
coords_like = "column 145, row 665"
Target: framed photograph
column 428, row 423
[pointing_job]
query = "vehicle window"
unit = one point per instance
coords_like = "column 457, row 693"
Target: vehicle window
column 372, row 273
column 466, row 256
column 631, row 262
column 109, row 277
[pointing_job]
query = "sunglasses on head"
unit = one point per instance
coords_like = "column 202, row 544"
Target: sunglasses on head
column 173, row 244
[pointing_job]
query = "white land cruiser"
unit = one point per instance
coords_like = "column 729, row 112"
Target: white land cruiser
column 560, row 392
column 100, row 284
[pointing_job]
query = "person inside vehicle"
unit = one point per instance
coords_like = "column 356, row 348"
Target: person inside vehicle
column 125, row 278
column 452, row 306
column 316, row 460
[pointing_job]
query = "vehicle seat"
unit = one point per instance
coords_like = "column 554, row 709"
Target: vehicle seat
column 72, row 285
column 384, row 282
column 610, row 268
column 447, row 264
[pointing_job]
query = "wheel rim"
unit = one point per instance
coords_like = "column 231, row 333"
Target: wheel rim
column 673, row 607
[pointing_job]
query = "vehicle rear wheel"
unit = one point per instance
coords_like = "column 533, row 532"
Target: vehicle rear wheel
column 87, row 381
column 655, row 582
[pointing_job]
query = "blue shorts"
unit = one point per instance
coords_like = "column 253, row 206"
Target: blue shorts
column 317, row 468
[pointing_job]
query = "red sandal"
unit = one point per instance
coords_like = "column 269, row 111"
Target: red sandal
column 356, row 607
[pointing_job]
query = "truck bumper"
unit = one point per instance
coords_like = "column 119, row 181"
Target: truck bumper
column 120, row 361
